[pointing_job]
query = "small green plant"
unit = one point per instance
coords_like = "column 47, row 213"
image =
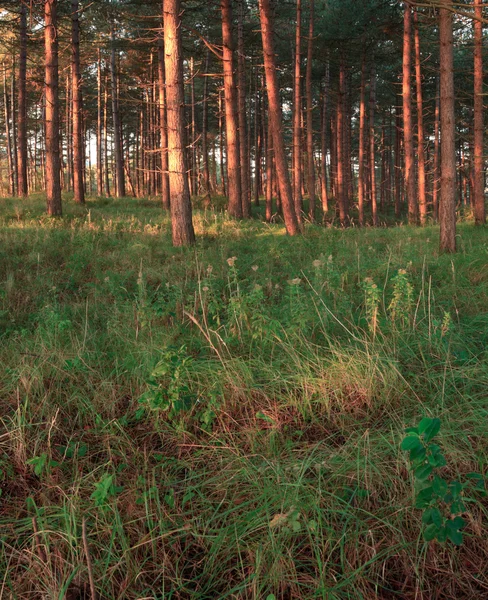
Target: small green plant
column 372, row 303
column 402, row 302
column 168, row 391
column 441, row 501
column 104, row 490
column 41, row 463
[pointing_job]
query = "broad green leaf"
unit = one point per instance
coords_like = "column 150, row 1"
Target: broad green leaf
column 437, row 460
column 423, row 472
column 458, row 522
column 410, row 442
column 429, row 428
column 418, row 453
column 430, row 532
column 427, row 516
column 434, row 516
column 455, row 536
column 442, row 535
column 424, row 424
column 424, row 497
column 455, row 488
column 457, row 507
column 439, row 486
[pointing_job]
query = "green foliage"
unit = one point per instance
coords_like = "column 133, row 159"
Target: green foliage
column 105, row 490
column 372, row 302
column 169, row 391
column 296, row 408
column 41, row 464
column 401, row 304
column 441, row 501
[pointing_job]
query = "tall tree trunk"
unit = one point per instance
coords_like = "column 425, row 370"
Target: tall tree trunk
column 69, row 136
column 407, row 117
column 275, row 118
column 221, row 144
column 8, row 136
column 105, row 140
column 398, row 160
column 181, row 212
column 362, row 126
column 435, row 168
column 383, row 166
column 117, row 138
column 269, row 173
column 308, row 85
column 235, row 206
column 53, row 182
column 297, row 114
column 99, row 126
column 165, row 190
column 79, row 194
column 22, row 106
column 447, row 201
column 372, row 157
column 422, row 196
column 14, row 126
column 194, row 168
column 258, row 141
column 479, row 183
column 323, row 159
column 243, row 138
column 205, row 155
column 341, row 192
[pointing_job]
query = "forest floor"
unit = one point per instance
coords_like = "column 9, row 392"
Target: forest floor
column 225, row 421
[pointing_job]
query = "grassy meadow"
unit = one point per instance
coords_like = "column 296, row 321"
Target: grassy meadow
column 225, row 421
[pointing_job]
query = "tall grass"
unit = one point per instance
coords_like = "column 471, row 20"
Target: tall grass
column 230, row 428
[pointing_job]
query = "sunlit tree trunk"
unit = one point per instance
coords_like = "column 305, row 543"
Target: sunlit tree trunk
column 436, row 165
column 407, row 117
column 372, row 157
column 79, row 193
column 478, row 175
column 99, row 126
column 193, row 129
column 447, row 200
column 205, row 155
column 8, row 136
column 269, row 173
column 362, row 125
column 165, row 192
column 231, row 119
column 243, row 138
column 323, row 159
column 422, row 196
column 275, row 119
column 308, row 93
column 105, row 140
column 13, row 96
column 383, row 166
column 398, row 160
column 22, row 106
column 69, row 135
column 221, row 145
column 53, row 181
column 341, row 192
column 258, row 142
column 297, row 129
column 181, row 212
column 117, row 138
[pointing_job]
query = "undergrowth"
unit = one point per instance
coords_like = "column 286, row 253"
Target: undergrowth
column 225, row 421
